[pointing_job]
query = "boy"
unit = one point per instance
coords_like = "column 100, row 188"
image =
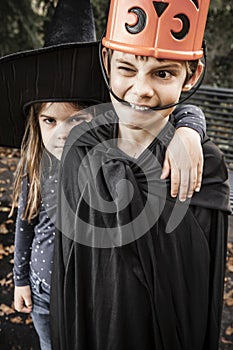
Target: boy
column 134, row 269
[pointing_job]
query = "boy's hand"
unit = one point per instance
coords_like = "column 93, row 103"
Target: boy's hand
column 184, row 160
column 22, row 299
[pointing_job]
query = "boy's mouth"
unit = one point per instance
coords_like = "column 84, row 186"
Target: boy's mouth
column 139, row 107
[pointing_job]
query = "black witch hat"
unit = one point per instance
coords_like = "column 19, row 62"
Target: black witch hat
column 65, row 69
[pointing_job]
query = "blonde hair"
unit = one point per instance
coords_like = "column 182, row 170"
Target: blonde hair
column 29, row 166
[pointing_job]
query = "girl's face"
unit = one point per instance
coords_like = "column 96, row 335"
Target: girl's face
column 145, row 82
column 56, row 120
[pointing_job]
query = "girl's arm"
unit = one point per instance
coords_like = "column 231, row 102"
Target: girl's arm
column 22, row 299
column 184, row 158
column 24, row 235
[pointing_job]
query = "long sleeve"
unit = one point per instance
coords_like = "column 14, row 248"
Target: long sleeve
column 190, row 116
column 24, row 235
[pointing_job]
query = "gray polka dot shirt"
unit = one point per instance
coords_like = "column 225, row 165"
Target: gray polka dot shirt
column 34, row 240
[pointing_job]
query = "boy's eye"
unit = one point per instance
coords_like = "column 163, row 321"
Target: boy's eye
column 126, row 70
column 163, row 74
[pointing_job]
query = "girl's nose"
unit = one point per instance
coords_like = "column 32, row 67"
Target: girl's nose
column 63, row 131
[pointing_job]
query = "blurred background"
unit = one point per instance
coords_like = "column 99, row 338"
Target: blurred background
column 23, row 23
column 22, row 27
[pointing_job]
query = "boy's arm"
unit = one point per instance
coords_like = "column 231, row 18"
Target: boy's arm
column 192, row 117
column 184, row 158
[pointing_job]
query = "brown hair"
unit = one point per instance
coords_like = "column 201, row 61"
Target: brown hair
column 191, row 66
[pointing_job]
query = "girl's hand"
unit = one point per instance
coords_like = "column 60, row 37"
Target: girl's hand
column 22, row 299
column 184, row 160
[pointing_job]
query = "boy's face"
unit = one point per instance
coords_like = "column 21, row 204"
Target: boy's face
column 56, row 121
column 144, row 82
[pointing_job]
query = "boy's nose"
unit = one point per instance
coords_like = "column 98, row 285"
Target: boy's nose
column 142, row 87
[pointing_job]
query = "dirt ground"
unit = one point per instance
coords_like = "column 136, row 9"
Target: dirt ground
column 16, row 330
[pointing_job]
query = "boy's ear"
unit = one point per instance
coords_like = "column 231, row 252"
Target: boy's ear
column 195, row 77
column 105, row 57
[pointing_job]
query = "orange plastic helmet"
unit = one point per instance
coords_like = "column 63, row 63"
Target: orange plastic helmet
column 171, row 29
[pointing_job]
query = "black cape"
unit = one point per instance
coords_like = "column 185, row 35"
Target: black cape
column 120, row 283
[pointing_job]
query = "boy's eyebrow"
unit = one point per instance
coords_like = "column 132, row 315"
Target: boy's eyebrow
column 120, row 60
column 164, row 64
column 170, row 65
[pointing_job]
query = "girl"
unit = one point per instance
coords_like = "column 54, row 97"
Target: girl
column 35, row 185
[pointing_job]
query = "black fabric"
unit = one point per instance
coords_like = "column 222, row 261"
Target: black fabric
column 56, row 73
column 192, row 117
column 73, row 21
column 65, row 69
column 162, row 290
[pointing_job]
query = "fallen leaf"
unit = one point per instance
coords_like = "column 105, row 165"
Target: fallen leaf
column 6, row 250
column 7, row 310
column 10, row 249
column 3, row 282
column 16, row 319
column 229, row 331
column 28, row 320
column 229, row 302
column 225, row 341
column 10, row 221
column 4, row 209
column 229, row 264
column 3, row 229
column 228, row 295
column 230, row 248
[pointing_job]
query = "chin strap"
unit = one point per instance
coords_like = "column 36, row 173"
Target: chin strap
column 158, row 108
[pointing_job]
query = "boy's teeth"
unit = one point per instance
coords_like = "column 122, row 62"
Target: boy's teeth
column 139, row 108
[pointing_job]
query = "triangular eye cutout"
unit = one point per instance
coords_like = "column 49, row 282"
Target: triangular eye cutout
column 160, row 7
column 196, row 3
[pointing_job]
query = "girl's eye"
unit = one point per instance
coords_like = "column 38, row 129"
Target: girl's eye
column 49, row 121
column 79, row 118
column 76, row 119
